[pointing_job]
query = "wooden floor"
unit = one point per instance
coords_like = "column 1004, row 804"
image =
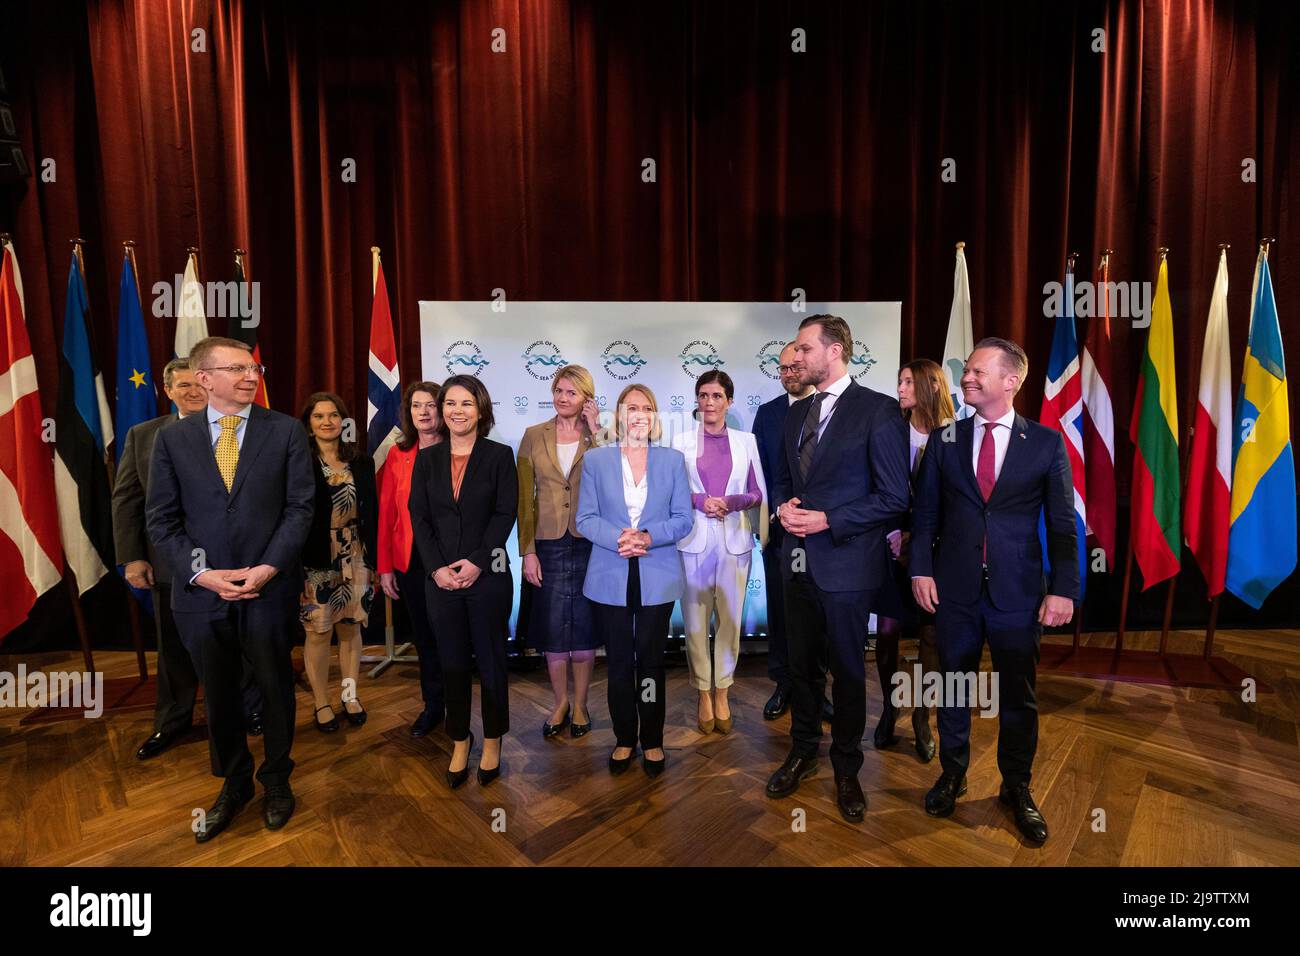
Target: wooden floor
column 1181, row 776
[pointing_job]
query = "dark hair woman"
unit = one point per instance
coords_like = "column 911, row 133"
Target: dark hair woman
column 338, row 557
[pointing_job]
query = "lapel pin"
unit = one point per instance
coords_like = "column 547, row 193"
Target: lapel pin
column 1022, row 434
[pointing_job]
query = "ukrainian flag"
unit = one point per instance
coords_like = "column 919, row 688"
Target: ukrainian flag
column 1262, row 537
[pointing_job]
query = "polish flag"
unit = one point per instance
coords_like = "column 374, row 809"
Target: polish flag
column 31, row 557
column 1209, row 482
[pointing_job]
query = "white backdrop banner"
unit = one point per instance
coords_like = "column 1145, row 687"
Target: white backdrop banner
column 515, row 348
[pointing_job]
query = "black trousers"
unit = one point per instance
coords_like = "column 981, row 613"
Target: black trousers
column 472, row 626
column 827, row 628
column 411, row 587
column 1013, row 638
column 219, row 646
column 778, row 653
column 635, row 638
column 178, row 679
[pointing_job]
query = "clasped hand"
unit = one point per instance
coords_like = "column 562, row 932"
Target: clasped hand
column 239, row 584
column 457, row 575
column 716, row 507
column 800, row 521
column 633, row 543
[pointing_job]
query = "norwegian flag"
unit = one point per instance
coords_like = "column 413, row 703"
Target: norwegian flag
column 1063, row 410
column 384, row 387
column 31, row 556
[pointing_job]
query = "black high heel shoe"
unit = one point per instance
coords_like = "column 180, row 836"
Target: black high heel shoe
column 653, row 768
column 924, row 739
column 580, row 730
column 356, row 720
column 457, row 777
column 487, row 776
column 554, row 730
column 618, row 766
column 331, row 725
column 885, row 736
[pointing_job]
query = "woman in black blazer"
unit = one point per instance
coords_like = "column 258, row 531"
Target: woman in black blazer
column 464, row 498
column 338, row 557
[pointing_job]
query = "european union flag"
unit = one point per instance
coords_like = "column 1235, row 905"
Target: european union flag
column 137, row 399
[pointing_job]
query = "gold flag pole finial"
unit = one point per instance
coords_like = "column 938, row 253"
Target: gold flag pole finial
column 374, row 269
column 1071, row 259
column 1164, row 252
column 1264, row 244
column 961, row 246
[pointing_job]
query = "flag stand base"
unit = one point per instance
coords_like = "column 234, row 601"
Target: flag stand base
column 1144, row 667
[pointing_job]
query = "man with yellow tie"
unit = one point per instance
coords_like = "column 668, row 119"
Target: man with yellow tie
column 231, row 496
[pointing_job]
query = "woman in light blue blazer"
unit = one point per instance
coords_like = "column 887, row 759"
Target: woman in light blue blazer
column 634, row 504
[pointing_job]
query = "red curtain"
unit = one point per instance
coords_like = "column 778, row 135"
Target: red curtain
column 522, row 169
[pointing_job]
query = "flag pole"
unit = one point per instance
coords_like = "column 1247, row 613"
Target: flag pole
column 79, row 618
column 1078, row 612
column 390, row 641
column 133, row 607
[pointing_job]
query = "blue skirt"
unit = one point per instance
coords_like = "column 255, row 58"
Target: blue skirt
column 561, row 616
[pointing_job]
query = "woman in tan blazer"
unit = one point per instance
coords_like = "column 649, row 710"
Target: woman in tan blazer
column 554, row 553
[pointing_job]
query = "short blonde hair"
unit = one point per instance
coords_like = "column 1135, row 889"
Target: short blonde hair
column 579, row 376
column 620, row 421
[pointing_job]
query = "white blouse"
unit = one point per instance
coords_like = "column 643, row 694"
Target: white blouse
column 917, row 439
column 565, row 454
column 634, row 494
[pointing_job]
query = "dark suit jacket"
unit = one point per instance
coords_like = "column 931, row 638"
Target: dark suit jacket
column 263, row 519
column 446, row 529
column 769, row 426
column 129, row 491
column 950, row 519
column 858, row 477
column 316, row 552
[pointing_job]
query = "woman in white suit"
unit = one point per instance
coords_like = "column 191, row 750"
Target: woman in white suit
column 729, row 506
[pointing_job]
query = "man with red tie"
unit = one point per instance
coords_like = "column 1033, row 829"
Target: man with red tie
column 977, row 564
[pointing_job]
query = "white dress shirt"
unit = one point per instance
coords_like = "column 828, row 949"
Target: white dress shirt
column 1001, row 439
column 634, row 493
column 214, row 425
column 833, row 391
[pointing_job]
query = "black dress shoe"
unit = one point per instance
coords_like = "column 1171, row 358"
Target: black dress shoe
column 828, row 711
column 457, row 777
column 427, row 720
column 580, row 730
column 617, row 766
column 778, row 703
column 357, row 719
column 1029, row 819
column 924, row 739
column 942, row 798
column 653, row 768
column 785, row 780
column 159, row 742
column 850, row 798
column 233, row 798
column 554, row 730
column 277, row 806
column 885, row 736
column 329, row 726
column 254, row 725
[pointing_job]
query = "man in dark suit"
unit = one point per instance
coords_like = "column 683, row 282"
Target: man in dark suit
column 841, row 485
column 231, row 497
column 769, row 433
column 977, row 565
column 177, row 683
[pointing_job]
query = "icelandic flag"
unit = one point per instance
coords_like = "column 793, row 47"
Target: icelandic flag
column 384, row 383
column 1063, row 410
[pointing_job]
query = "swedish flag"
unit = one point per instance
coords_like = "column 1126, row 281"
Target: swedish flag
column 1262, row 538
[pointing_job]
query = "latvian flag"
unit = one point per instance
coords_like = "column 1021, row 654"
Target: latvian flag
column 384, row 390
column 31, row 558
column 85, row 430
column 1063, row 410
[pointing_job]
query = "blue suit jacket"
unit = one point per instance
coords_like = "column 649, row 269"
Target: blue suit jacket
column 950, row 519
column 602, row 516
column 859, row 477
column 264, row 518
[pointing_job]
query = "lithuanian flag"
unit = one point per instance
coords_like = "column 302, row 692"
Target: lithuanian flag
column 1154, row 502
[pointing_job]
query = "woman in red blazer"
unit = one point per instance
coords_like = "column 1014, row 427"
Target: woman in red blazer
column 401, row 574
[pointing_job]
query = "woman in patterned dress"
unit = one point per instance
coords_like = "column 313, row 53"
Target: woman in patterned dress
column 339, row 556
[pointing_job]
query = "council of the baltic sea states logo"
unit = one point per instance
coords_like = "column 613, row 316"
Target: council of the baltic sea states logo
column 464, row 358
column 622, row 360
column 541, row 359
column 769, row 359
column 698, row 357
column 862, row 360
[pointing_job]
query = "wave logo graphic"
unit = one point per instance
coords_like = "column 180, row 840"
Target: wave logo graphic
column 863, row 361
column 622, row 360
column 698, row 357
column 464, row 358
column 769, row 359
column 542, row 358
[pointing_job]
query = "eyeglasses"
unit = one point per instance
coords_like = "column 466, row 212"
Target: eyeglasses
column 237, row 370
column 785, row 368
